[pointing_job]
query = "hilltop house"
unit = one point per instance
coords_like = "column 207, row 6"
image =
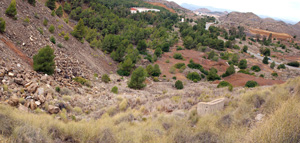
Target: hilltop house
column 142, row 9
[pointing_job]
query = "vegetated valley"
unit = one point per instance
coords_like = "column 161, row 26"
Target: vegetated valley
column 143, row 71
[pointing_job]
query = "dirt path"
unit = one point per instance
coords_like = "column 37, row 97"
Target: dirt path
column 16, row 50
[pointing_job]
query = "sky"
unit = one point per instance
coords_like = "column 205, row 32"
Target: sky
column 283, row 9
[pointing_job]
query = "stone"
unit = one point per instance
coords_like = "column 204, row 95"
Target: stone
column 49, row 97
column 28, row 84
column 41, row 98
column 44, row 78
column 32, row 105
column 23, row 108
column 18, row 81
column 259, row 117
column 53, row 109
column 14, row 101
column 10, row 74
column 40, row 91
column 32, row 88
column 179, row 113
column 38, row 103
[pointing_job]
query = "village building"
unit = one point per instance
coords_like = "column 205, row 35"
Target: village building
column 142, row 9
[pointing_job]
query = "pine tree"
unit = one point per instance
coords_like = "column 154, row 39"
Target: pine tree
column 266, row 60
column 149, row 69
column 11, row 11
column 2, row 25
column 44, row 60
column 229, row 71
column 79, row 30
column 32, row 2
column 59, row 11
column 156, row 70
column 137, row 79
column 51, row 4
column 243, row 64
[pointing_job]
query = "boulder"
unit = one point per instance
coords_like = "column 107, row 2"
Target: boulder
column 30, row 104
column 40, row 91
column 49, row 97
column 14, row 101
column 10, row 74
column 28, row 84
column 53, row 109
column 32, row 88
column 18, row 81
column 41, row 98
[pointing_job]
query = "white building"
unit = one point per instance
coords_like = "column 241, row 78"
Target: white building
column 142, row 9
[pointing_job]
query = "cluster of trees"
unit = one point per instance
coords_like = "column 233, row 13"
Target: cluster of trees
column 196, row 36
column 108, row 25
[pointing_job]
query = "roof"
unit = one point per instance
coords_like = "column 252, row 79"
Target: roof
column 133, row 9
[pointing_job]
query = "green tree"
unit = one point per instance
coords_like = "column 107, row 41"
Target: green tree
column 105, row 78
column 149, row 69
column 245, row 49
column 51, row 28
column 266, row 60
column 188, row 42
column 118, row 54
column 194, row 76
column 125, row 67
column 32, row 2
column 44, row 60
column 251, row 84
column 111, row 43
column 166, row 47
column 255, row 68
column 211, row 55
column 158, row 52
column 178, row 84
column 59, row 11
column 11, row 11
column 137, row 79
column 67, row 7
column 156, row 70
column 51, row 4
column 79, row 30
column 235, row 59
column 229, row 71
column 243, row 64
column 2, row 25
column 272, row 65
column 142, row 46
column 212, row 75
column 115, row 90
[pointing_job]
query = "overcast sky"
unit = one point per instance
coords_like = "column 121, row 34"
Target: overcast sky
column 284, row 9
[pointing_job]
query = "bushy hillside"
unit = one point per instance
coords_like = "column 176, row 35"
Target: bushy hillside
column 265, row 115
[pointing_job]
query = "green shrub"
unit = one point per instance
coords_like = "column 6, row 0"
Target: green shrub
column 11, row 11
column 243, row 64
column 32, row 2
column 60, row 45
column 156, row 70
column 178, row 56
column 155, row 79
column 212, row 75
column 179, row 65
column 79, row 30
column 194, row 76
column 115, row 90
column 66, row 37
column 178, row 84
column 274, row 74
column 179, row 48
column 266, row 60
column 158, row 52
column 105, row 78
column 229, row 71
column 59, row 11
column 53, row 13
column 281, row 66
column 57, row 89
column 245, row 49
column 223, row 84
column 251, row 84
column 2, row 25
column 51, row 28
column 174, row 77
column 45, row 22
column 246, row 72
column 294, row 64
column 82, row 81
column 52, row 39
column 172, row 70
column 255, row 68
column 44, row 60
column 51, row 4
column 40, row 30
column 272, row 65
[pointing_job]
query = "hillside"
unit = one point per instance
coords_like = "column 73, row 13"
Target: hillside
column 142, row 71
column 253, row 21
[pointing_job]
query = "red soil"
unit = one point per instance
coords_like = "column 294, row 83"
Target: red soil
column 16, row 50
column 240, row 79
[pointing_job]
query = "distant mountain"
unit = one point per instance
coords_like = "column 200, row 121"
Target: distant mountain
column 195, row 7
column 203, row 10
column 249, row 19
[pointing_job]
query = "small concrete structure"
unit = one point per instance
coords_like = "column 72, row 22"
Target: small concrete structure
column 210, row 107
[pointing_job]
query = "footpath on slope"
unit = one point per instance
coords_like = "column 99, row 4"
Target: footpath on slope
column 16, row 50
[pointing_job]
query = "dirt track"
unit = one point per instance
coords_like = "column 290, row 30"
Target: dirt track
column 16, row 50
column 282, row 36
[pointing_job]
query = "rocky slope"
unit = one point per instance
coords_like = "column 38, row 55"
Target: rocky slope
column 72, row 59
column 251, row 20
column 170, row 4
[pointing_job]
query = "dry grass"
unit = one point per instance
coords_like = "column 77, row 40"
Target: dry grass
column 236, row 123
